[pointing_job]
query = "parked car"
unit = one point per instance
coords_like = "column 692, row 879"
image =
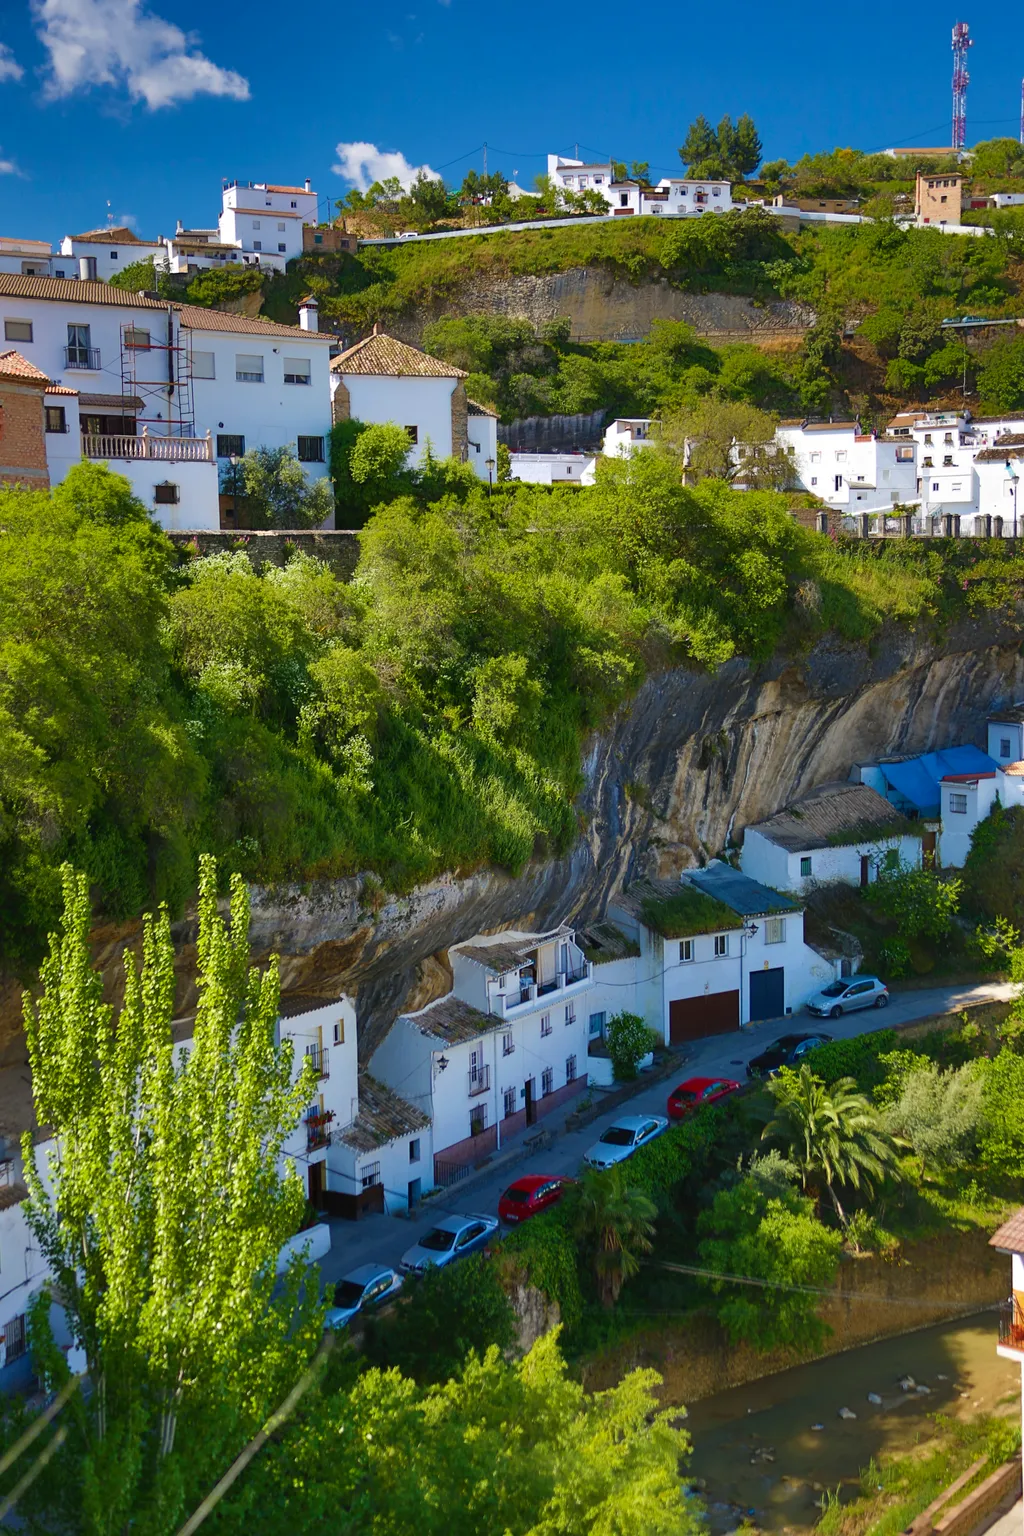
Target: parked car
column 623, row 1138
column 532, row 1193
column 451, row 1239
column 786, row 1052
column 368, row 1286
column 847, row 995
column 696, row 1091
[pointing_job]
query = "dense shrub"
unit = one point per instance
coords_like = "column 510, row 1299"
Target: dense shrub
column 544, row 1250
column 440, row 1317
column 857, row 1058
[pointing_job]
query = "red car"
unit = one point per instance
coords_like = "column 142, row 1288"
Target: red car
column 532, row 1193
column 697, row 1091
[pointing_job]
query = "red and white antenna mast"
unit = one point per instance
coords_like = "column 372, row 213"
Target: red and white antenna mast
column 1022, row 111
column 961, row 79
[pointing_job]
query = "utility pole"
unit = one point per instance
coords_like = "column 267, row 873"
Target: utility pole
column 1022, row 111
column 485, row 156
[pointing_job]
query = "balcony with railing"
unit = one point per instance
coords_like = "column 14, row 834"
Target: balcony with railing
column 523, row 998
column 168, row 450
column 87, row 358
column 317, row 1054
column 318, row 1130
column 479, row 1080
column 1011, row 1327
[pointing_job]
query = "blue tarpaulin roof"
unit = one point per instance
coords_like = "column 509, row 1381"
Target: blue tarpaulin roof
column 917, row 780
column 746, row 897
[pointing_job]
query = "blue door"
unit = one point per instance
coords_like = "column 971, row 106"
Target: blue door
column 767, row 994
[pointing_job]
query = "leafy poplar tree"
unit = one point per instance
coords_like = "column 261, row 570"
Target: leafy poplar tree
column 162, row 1210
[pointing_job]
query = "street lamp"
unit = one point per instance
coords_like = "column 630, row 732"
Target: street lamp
column 490, row 472
column 1013, row 481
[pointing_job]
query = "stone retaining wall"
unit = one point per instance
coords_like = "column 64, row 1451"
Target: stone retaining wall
column 338, row 548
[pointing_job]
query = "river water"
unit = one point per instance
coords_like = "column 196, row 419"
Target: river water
column 757, row 1452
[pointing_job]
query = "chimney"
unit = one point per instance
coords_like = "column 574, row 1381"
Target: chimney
column 309, row 313
column 309, row 185
column 87, row 269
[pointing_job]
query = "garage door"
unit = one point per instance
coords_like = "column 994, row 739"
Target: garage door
column 691, row 1018
column 767, row 994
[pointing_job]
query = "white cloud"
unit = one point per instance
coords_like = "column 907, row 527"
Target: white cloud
column 8, row 168
column 10, row 69
column 118, row 43
column 364, row 164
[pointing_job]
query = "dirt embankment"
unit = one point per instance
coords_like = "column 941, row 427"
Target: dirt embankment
column 875, row 1298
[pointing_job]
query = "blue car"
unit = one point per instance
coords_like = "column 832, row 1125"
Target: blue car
column 368, row 1286
column 453, row 1238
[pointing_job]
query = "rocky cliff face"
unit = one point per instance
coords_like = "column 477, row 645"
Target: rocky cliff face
column 604, row 307
column 674, row 779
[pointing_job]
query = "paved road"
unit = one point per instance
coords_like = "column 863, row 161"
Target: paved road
column 385, row 1238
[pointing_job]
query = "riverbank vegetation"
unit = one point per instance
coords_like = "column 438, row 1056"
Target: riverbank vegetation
column 426, row 716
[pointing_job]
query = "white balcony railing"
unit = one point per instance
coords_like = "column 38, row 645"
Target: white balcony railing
column 522, row 1000
column 170, row 450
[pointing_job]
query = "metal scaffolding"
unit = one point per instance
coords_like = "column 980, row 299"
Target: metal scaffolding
column 156, row 370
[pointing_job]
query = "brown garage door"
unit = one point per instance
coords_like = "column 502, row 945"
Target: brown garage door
column 691, row 1018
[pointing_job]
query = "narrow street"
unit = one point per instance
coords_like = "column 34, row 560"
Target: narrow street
column 385, row 1238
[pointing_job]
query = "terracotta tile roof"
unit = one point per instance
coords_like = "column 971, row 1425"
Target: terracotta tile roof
column 830, row 811
column 293, row 1004
column 383, row 1116
column 15, row 285
column 112, row 403
column 1010, row 1236
column 830, row 426
column 60, row 389
column 386, row 357
column 13, row 1194
column 999, row 455
column 119, row 236
column 1015, row 770
column 71, row 291
column 1009, row 440
column 453, row 1021
column 17, row 367
column 476, row 409
column 195, row 318
column 304, row 190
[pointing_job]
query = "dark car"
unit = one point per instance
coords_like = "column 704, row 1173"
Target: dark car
column 532, row 1193
column 788, row 1051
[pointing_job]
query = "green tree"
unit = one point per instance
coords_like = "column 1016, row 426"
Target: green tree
column 429, row 197
column 629, row 1040
column 368, row 465
column 835, row 1135
column 747, row 148
column 997, row 158
column 1001, row 377
column 163, row 1209
column 920, row 902
column 941, row 1114
column 276, row 490
column 144, row 277
column 615, row 1224
column 440, row 1318
column 700, row 142
column 761, row 1231
column 1002, row 1142
column 727, row 441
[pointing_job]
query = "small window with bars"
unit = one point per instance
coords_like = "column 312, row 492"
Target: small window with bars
column 508, row 1102
column 166, row 494
column 570, row 1069
column 508, row 1045
column 230, row 445
column 570, row 1013
column 958, row 804
column 311, row 449
column 547, row 1081
column 775, row 930
column 545, row 1024
column 478, row 1120
column 15, row 1339
column 370, row 1175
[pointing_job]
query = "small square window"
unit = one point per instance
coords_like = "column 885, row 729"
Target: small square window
column 17, row 330
column 257, row 245
column 413, row 434
column 56, row 419
column 1004, row 746
column 166, row 495
column 297, row 370
column 282, row 247
column 137, row 339
column 805, row 868
column 113, row 255
column 294, row 203
column 414, row 1150
column 230, row 445
column 595, row 1025
column 721, row 945
column 281, row 227
column 958, row 804
column 311, row 450
column 685, row 950
column 249, row 368
column 775, row 930
column 204, row 365
column 255, row 223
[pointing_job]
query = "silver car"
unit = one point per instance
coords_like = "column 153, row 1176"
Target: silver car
column 848, row 995
column 622, row 1138
column 453, row 1238
column 368, row 1286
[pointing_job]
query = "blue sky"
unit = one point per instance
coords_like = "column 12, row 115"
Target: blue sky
column 106, row 100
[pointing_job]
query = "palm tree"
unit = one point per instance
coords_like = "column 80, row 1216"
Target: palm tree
column 834, row 1135
column 617, row 1224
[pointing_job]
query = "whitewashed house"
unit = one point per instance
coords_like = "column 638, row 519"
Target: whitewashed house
column 848, row 469
column 626, row 435
column 675, row 196
column 383, row 1158
column 506, row 1046
column 167, row 392
column 381, row 379
column 839, row 831
column 260, row 225
column 717, row 950
column 100, row 254
column 572, row 468
column 29, row 258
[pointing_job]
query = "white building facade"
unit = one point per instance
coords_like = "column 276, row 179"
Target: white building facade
column 850, row 470
column 28, row 258
column 553, row 468
column 674, row 196
column 101, row 254
column 168, row 392
column 841, row 831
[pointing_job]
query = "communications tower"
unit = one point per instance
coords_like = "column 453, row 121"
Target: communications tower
column 961, row 79
column 1022, row 111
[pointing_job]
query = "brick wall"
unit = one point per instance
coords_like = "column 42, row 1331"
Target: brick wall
column 469, row 1152
column 337, row 548
column 321, row 242
column 22, row 436
column 460, row 422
